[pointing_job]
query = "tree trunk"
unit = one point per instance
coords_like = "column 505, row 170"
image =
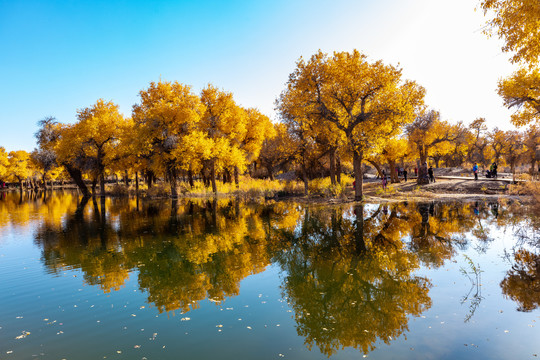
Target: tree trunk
column 236, row 175
column 213, row 177
column 204, row 179
column 149, row 178
column 44, row 182
column 270, row 170
column 172, row 181
column 338, row 169
column 332, row 156
column 102, row 184
column 126, row 178
column 358, row 176
column 137, row 182
column 190, row 178
column 379, row 170
column 422, row 151
column 393, row 176
column 76, row 175
column 305, row 178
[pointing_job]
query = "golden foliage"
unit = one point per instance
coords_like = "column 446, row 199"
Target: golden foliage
column 516, row 22
column 522, row 91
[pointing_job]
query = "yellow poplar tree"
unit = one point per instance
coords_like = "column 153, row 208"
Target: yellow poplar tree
column 394, row 150
column 521, row 91
column 514, row 150
column 367, row 102
column 258, row 129
column 166, row 115
column 92, row 139
column 4, row 163
column 497, row 143
column 19, row 166
column 224, row 124
column 516, row 22
column 428, row 131
column 276, row 151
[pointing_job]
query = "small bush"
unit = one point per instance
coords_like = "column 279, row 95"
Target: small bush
column 157, row 191
column 531, row 188
column 119, row 190
column 324, row 187
column 293, row 188
column 524, row 176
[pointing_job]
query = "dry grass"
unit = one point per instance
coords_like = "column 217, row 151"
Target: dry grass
column 531, row 188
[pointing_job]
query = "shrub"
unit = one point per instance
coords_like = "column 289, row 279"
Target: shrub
column 157, row 191
column 531, row 188
column 119, row 190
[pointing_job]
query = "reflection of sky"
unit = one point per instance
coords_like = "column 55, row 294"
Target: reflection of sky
column 495, row 331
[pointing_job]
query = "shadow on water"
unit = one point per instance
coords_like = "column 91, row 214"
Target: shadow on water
column 349, row 273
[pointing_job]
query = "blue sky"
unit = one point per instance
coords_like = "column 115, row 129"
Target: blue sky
column 59, row 56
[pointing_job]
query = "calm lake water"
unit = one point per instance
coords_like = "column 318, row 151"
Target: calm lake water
column 199, row 279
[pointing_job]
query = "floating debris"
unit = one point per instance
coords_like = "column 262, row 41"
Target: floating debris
column 23, row 335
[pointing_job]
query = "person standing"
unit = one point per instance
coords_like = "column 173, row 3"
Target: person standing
column 475, row 171
column 430, row 173
column 494, row 172
column 405, row 174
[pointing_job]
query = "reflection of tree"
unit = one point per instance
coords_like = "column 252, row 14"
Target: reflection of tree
column 522, row 282
column 349, row 271
column 349, row 282
column 185, row 252
column 85, row 241
column 436, row 229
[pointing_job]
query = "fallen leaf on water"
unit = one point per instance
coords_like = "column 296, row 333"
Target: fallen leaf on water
column 23, row 335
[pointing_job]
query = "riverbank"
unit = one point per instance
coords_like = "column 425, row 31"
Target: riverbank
column 322, row 191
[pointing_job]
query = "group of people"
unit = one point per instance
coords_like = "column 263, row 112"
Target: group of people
column 491, row 173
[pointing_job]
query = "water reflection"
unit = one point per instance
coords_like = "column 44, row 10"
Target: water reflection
column 349, row 279
column 349, row 272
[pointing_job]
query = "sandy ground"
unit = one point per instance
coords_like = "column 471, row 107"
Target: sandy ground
column 441, row 189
